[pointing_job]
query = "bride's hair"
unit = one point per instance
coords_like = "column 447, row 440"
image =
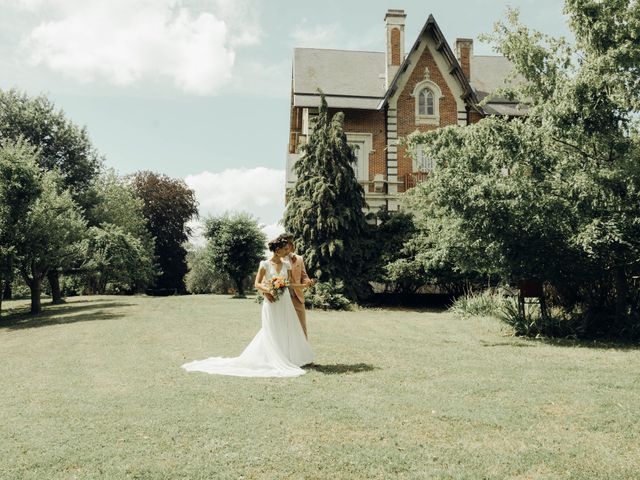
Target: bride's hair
column 276, row 244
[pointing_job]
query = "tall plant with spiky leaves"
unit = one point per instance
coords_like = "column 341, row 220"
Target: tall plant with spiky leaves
column 325, row 207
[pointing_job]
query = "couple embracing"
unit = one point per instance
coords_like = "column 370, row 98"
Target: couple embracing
column 280, row 348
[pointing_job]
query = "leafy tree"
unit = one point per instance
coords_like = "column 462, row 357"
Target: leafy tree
column 236, row 244
column 121, row 229
column 407, row 259
column 325, row 208
column 117, row 203
column 19, row 187
column 50, row 233
column 556, row 195
column 168, row 204
column 202, row 277
column 117, row 258
column 392, row 234
column 62, row 146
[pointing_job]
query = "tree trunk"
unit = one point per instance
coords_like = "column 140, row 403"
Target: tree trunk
column 240, row 287
column 7, row 293
column 54, row 283
column 622, row 294
column 36, row 288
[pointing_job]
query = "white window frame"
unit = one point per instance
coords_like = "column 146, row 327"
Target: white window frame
column 422, row 163
column 422, row 119
column 427, row 94
column 365, row 140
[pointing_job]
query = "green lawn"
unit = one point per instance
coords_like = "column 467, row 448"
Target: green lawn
column 94, row 389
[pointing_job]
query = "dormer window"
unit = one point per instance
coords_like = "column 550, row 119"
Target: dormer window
column 427, row 95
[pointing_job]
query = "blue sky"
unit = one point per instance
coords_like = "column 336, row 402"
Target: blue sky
column 200, row 89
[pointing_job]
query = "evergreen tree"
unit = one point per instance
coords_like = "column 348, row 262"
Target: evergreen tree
column 325, row 207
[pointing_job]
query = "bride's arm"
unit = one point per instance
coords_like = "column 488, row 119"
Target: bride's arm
column 258, row 282
column 260, row 287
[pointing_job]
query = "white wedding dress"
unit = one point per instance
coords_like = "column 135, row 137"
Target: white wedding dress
column 279, row 349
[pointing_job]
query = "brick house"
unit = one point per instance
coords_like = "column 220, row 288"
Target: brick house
column 388, row 95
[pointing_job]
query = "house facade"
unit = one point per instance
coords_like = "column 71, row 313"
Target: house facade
column 388, row 95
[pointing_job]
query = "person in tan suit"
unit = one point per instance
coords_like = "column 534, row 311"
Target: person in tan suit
column 299, row 276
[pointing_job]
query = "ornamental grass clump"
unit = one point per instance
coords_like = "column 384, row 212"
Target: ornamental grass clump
column 472, row 304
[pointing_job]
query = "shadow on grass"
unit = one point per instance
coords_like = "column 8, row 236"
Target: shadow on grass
column 61, row 314
column 340, row 368
column 412, row 309
column 505, row 344
column 603, row 344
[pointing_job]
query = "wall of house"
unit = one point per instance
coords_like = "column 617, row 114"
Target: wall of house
column 295, row 127
column 368, row 121
column 448, row 107
column 475, row 117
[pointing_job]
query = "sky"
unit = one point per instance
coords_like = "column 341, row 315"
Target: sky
column 200, row 89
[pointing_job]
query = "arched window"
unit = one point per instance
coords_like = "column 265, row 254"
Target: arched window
column 425, row 102
column 427, row 95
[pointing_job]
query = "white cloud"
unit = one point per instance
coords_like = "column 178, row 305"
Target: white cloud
column 242, row 18
column 254, row 190
column 123, row 42
column 258, row 191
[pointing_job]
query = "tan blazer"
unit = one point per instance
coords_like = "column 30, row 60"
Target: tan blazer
column 298, row 274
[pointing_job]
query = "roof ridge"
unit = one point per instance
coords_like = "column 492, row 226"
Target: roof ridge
column 337, row 50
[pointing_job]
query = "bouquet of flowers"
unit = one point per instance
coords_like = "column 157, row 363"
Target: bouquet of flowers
column 277, row 285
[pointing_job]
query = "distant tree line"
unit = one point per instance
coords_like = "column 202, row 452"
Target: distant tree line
column 71, row 226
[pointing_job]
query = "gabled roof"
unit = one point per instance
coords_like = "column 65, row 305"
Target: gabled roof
column 488, row 74
column 355, row 79
column 349, row 79
column 443, row 47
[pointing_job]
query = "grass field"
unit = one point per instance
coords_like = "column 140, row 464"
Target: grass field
column 93, row 389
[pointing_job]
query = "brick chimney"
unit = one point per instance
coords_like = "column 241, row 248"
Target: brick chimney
column 464, row 52
column 394, row 22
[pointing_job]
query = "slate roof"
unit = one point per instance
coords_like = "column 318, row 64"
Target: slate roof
column 349, row 79
column 355, row 79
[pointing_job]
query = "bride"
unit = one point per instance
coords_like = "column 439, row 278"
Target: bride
column 280, row 348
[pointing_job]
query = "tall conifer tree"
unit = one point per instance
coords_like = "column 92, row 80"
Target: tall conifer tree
column 325, row 207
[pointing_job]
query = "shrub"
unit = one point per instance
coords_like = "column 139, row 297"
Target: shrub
column 327, row 296
column 483, row 304
column 204, row 278
column 558, row 323
column 19, row 289
column 72, row 285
